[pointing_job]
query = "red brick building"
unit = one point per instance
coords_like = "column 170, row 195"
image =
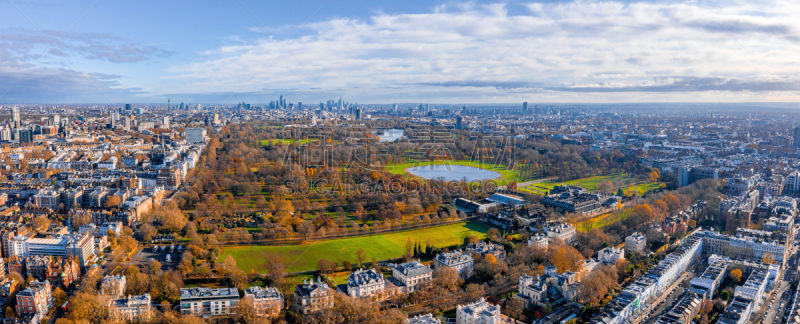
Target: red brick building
column 36, row 299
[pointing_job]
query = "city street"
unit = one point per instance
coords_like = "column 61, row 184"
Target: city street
column 780, row 299
column 669, row 301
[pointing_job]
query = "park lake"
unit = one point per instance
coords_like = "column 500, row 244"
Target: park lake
column 452, row 172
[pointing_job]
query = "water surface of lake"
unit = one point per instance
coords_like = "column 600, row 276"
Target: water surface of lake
column 453, row 172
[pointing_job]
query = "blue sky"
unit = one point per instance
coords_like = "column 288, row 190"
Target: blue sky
column 445, row 52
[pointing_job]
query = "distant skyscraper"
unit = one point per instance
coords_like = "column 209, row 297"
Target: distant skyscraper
column 56, row 119
column 281, row 103
column 181, row 106
column 340, row 103
column 299, row 105
column 321, row 107
column 15, row 116
column 25, row 135
column 127, row 106
column 358, row 113
column 169, row 104
column 797, row 136
column 165, row 122
column 525, row 107
column 459, row 122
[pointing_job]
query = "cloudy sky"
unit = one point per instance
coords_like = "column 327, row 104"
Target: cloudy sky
column 367, row 51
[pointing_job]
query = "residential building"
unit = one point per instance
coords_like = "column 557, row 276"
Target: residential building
column 572, row 199
column 562, row 231
column 113, row 286
column 636, row 242
column 410, row 275
column 689, row 175
column 208, row 302
column 36, row 299
column 48, row 198
column 739, row 310
column 754, row 288
column 684, row 310
column 195, row 135
column 313, row 296
column 549, row 288
column 708, row 282
column 366, row 284
column 461, row 262
column 268, row 301
column 133, row 308
column 611, row 255
column 479, row 312
column 423, row 319
column 485, row 248
column 538, row 241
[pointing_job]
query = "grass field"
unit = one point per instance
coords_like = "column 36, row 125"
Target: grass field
column 602, row 220
column 305, row 257
column 507, row 174
column 591, row 183
column 286, row 141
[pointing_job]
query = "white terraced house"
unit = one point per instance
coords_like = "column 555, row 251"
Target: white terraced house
column 366, row 284
column 411, row 274
column 313, row 296
column 267, row 301
column 457, row 260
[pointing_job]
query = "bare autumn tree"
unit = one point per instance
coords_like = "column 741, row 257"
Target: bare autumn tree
column 41, row 224
column 361, row 256
column 565, row 257
column 447, row 278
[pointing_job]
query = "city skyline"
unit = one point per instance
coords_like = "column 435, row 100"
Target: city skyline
column 444, row 52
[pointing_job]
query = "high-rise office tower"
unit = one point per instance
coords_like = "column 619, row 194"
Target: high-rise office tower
column 127, row 106
column 281, row 103
column 165, row 122
column 56, row 119
column 169, row 104
column 525, row 107
column 299, row 105
column 15, row 116
column 358, row 113
column 459, row 120
column 797, row 136
column 321, row 107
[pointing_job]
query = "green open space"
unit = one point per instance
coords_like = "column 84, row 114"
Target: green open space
column 603, row 220
column 286, row 141
column 620, row 180
column 304, row 257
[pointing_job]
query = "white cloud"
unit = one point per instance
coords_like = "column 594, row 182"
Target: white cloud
column 582, row 51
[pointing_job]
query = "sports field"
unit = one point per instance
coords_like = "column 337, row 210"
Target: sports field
column 386, row 246
column 506, row 173
column 591, row 183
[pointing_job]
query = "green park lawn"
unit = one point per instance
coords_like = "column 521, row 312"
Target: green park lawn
column 602, row 220
column 400, row 168
column 304, row 257
column 591, row 184
column 286, row 141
